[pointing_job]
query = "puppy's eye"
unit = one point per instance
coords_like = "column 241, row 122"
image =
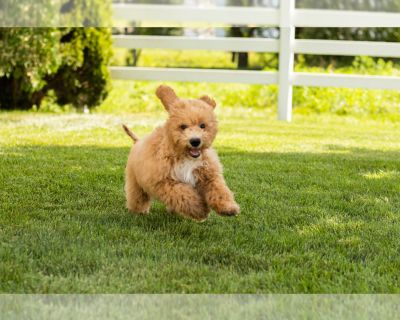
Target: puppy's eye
column 203, row 125
column 183, row 126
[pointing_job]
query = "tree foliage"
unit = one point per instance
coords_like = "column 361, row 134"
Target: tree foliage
column 360, row 34
column 357, row 34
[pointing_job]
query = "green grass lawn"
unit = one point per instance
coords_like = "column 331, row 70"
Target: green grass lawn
column 320, row 203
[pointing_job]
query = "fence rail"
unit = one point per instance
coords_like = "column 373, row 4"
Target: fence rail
column 182, row 14
column 254, row 16
column 286, row 18
column 187, row 43
column 194, row 75
column 320, row 47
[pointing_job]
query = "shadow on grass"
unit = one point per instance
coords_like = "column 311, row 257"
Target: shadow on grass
column 336, row 211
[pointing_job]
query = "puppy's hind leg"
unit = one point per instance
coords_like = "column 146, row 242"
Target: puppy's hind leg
column 137, row 201
column 183, row 199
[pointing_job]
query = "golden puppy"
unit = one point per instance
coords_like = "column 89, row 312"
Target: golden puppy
column 176, row 163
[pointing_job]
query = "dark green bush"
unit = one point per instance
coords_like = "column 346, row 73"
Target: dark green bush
column 70, row 62
column 27, row 56
column 82, row 77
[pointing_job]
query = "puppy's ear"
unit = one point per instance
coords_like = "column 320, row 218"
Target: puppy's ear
column 209, row 101
column 167, row 96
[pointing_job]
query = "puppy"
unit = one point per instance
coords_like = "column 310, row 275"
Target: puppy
column 176, row 163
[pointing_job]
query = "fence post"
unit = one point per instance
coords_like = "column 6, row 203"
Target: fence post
column 286, row 59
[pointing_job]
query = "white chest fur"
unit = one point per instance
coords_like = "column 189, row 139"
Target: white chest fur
column 183, row 171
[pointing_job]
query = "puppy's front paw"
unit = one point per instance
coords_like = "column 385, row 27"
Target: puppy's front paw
column 196, row 210
column 139, row 210
column 200, row 212
column 229, row 209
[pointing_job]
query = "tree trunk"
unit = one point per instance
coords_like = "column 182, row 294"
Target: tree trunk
column 243, row 60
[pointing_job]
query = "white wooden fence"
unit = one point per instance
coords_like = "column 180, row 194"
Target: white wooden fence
column 286, row 18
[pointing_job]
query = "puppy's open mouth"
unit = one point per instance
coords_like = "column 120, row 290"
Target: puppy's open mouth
column 194, row 153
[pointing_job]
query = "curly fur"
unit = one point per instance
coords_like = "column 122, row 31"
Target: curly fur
column 165, row 165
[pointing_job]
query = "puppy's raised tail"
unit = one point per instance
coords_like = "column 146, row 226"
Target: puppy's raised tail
column 133, row 136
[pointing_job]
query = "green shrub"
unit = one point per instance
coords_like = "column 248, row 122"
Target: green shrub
column 82, row 77
column 31, row 54
column 71, row 62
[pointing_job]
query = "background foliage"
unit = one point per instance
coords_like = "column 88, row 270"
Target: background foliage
column 358, row 34
column 69, row 64
column 129, row 97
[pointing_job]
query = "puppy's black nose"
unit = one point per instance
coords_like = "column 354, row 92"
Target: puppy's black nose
column 195, row 142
